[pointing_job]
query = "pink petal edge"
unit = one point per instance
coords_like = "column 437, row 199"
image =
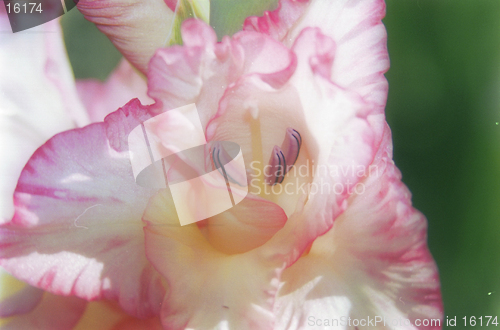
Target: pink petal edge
column 74, row 186
column 374, row 262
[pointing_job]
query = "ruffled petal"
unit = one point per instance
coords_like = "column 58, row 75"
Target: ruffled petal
column 201, row 70
column 374, row 262
column 138, row 28
column 346, row 129
column 361, row 57
column 123, row 85
column 193, row 73
column 227, row 17
column 37, row 99
column 77, row 227
column 278, row 22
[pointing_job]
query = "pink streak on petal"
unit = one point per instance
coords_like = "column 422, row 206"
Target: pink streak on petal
column 77, row 228
column 120, row 123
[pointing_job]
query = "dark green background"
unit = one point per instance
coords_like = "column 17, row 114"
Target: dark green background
column 444, row 109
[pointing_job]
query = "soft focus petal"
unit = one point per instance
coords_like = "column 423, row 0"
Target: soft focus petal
column 105, row 315
column 77, row 228
column 137, row 324
column 37, row 98
column 54, row 312
column 138, row 28
column 373, row 262
column 17, row 297
column 246, row 226
column 208, row 289
column 123, row 85
column 32, row 308
column 356, row 27
column 25, row 307
column 21, row 303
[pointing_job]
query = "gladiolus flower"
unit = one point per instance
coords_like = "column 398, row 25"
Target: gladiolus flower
column 327, row 231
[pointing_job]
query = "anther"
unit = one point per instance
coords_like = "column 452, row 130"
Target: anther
column 275, row 171
column 291, row 147
column 221, row 161
column 282, row 159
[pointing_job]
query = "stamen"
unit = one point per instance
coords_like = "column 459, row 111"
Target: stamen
column 291, row 147
column 275, row 171
column 282, row 159
column 221, row 160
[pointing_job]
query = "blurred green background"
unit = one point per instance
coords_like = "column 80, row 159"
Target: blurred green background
column 444, row 111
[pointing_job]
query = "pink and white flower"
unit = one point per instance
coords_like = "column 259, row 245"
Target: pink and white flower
column 282, row 260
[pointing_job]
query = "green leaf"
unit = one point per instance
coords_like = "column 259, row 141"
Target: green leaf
column 227, row 16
